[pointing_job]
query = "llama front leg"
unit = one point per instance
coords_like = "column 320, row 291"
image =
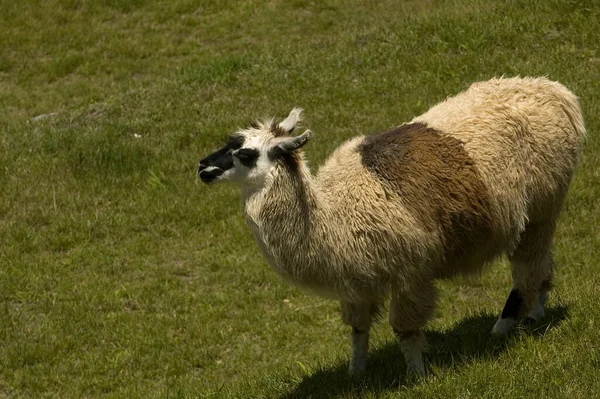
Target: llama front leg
column 360, row 317
column 413, row 344
column 409, row 312
column 360, row 349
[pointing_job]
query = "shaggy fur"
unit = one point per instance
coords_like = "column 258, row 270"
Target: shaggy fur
column 478, row 175
column 414, row 159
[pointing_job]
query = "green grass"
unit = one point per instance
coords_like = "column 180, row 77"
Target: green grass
column 121, row 275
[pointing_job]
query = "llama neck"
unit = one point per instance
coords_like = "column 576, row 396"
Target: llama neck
column 286, row 217
column 288, row 201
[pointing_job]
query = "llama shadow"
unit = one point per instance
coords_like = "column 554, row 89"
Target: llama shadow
column 467, row 341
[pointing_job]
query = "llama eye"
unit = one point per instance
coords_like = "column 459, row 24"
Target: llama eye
column 247, row 157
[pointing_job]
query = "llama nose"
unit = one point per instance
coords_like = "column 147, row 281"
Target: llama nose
column 201, row 167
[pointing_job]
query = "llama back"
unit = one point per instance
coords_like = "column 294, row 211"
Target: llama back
column 465, row 178
column 524, row 135
column 414, row 203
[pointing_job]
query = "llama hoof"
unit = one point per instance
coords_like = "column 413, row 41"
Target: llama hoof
column 356, row 370
column 504, row 326
column 415, row 367
column 358, row 365
column 529, row 321
column 538, row 312
column 536, row 315
column 415, row 371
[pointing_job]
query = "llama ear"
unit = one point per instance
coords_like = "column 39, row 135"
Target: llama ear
column 292, row 120
column 289, row 145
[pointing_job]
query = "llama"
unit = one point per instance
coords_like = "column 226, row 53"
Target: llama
column 480, row 174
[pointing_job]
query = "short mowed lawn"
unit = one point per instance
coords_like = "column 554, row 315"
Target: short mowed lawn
column 122, row 276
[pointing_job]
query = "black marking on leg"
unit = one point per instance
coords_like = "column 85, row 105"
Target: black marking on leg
column 546, row 286
column 513, row 305
column 357, row 331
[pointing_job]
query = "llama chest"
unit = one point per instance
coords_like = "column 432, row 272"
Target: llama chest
column 291, row 258
column 267, row 250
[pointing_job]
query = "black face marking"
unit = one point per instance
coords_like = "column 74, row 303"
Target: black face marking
column 235, row 142
column 513, row 305
column 215, row 165
column 247, row 157
column 209, row 175
column 219, row 161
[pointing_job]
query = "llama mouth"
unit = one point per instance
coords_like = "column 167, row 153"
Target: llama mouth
column 209, row 174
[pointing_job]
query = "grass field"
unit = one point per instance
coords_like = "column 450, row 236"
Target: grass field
column 122, row 276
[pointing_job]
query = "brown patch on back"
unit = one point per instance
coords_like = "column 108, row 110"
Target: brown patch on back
column 439, row 183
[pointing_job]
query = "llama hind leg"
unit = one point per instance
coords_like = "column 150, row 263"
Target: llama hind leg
column 360, row 317
column 409, row 312
column 538, row 312
column 532, row 269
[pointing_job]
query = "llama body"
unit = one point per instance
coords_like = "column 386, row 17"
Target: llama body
column 478, row 175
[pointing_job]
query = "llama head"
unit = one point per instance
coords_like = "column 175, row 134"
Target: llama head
column 251, row 154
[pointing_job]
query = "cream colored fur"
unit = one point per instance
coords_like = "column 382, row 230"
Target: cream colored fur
column 524, row 134
column 343, row 234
